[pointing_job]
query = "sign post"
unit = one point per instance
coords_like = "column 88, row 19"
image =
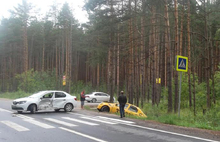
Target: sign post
column 181, row 66
column 64, row 80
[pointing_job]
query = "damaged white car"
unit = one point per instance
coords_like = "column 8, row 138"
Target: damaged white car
column 45, row 100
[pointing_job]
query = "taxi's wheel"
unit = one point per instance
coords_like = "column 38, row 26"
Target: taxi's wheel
column 105, row 109
column 33, row 108
column 93, row 100
column 68, row 107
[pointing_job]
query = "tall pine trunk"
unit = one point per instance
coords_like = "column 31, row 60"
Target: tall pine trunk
column 118, row 62
column 176, row 53
column 142, row 59
column 168, row 54
column 207, row 59
column 189, row 54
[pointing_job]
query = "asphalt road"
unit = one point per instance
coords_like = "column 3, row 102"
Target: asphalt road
column 78, row 126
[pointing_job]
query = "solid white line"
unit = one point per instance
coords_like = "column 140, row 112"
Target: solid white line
column 60, row 122
column 1, row 109
column 98, row 120
column 81, row 134
column 178, row 134
column 43, row 125
column 80, row 121
column 113, row 119
column 15, row 126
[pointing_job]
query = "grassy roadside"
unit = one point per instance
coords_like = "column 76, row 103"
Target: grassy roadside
column 209, row 121
column 14, row 95
column 186, row 119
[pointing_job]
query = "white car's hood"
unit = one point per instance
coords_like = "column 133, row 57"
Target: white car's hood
column 24, row 99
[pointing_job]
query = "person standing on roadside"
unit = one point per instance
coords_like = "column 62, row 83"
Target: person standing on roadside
column 82, row 99
column 122, row 99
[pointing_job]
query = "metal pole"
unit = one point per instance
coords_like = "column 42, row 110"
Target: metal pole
column 179, row 93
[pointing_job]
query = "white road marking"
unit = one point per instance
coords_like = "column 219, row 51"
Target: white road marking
column 172, row 133
column 98, row 120
column 60, row 122
column 117, row 120
column 4, row 110
column 43, row 125
column 23, row 116
column 15, row 126
column 80, row 121
column 76, row 114
column 81, row 134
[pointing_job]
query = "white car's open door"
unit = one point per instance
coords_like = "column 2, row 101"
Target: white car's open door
column 46, row 101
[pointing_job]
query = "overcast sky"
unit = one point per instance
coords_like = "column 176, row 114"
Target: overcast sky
column 44, row 6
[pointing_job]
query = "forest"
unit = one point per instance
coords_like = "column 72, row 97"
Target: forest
column 128, row 45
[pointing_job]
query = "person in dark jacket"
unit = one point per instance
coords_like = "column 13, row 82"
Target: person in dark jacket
column 122, row 99
column 82, row 99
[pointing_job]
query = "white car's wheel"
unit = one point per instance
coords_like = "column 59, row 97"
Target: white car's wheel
column 33, row 108
column 68, row 107
column 93, row 100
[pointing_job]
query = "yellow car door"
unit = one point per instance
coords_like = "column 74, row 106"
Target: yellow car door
column 127, row 106
column 115, row 108
column 132, row 110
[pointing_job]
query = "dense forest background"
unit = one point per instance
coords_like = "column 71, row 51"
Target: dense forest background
column 126, row 45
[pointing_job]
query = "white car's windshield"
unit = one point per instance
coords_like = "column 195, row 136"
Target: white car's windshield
column 35, row 95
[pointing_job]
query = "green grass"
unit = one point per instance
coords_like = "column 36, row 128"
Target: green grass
column 186, row 119
column 14, row 95
column 87, row 108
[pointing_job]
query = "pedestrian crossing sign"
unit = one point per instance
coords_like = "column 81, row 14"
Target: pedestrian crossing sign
column 181, row 63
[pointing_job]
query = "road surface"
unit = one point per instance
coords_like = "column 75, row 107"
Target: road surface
column 79, row 126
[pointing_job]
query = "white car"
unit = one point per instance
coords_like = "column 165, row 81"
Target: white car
column 98, row 97
column 45, row 100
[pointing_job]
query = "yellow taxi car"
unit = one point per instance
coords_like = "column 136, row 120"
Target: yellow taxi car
column 114, row 107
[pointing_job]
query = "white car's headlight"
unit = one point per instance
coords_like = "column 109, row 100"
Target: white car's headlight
column 22, row 102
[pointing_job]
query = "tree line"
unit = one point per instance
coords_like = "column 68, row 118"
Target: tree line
column 126, row 45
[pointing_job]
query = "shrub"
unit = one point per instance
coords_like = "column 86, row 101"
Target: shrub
column 34, row 81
